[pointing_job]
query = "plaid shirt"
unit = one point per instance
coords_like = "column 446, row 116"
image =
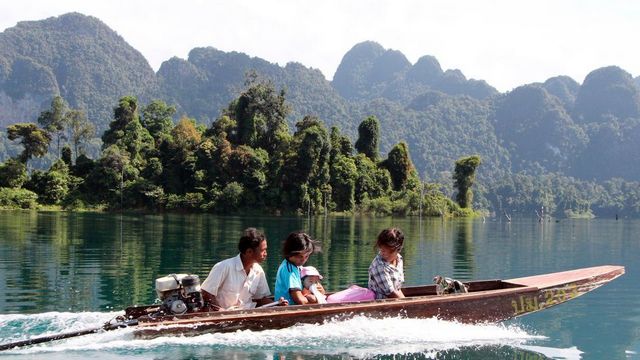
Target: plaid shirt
column 385, row 278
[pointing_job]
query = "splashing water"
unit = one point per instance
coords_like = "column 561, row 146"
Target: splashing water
column 360, row 337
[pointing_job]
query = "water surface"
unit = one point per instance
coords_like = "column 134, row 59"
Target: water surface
column 69, row 271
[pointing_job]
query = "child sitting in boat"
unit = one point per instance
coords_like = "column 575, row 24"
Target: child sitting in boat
column 311, row 282
column 296, row 249
column 386, row 273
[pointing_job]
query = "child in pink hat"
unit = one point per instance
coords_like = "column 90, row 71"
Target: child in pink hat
column 311, row 282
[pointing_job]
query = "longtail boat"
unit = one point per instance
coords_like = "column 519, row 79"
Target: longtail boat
column 485, row 301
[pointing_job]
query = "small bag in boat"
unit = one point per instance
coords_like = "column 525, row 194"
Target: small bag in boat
column 352, row 293
column 445, row 285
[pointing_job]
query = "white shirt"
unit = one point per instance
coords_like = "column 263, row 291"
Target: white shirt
column 231, row 285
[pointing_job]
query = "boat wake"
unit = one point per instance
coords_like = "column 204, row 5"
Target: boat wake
column 360, row 337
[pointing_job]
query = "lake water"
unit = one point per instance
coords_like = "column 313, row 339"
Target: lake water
column 64, row 272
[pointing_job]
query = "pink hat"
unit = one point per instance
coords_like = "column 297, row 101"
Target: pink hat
column 309, row 271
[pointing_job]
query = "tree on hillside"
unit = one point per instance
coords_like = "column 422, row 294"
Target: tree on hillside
column 54, row 120
column 51, row 186
column 260, row 113
column 464, row 175
column 157, row 118
column 306, row 171
column 80, row 129
column 177, row 152
column 399, row 165
column 127, row 133
column 369, row 138
column 343, row 175
column 340, row 144
column 34, row 140
column 371, row 182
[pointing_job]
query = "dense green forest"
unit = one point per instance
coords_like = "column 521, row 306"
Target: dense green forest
column 247, row 161
column 567, row 146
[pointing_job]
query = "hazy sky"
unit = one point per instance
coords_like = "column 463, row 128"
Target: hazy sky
column 505, row 42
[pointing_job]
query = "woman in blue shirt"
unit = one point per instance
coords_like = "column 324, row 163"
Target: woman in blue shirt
column 297, row 248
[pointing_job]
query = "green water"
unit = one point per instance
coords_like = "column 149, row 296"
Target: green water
column 95, row 264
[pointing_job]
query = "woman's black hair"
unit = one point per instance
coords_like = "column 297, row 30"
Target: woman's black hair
column 392, row 237
column 299, row 243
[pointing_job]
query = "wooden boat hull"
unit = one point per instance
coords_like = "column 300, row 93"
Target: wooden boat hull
column 487, row 301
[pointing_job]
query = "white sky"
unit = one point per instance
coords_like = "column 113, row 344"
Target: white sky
column 505, row 42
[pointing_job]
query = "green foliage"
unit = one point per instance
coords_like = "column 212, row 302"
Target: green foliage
column 607, row 92
column 399, row 165
column 464, row 175
column 65, row 155
column 17, row 198
column 13, row 174
column 105, row 181
column 34, row 140
column 260, row 114
column 127, row 133
column 343, row 175
column 562, row 195
column 157, row 118
column 368, row 137
column 51, row 186
column 372, row 182
column 77, row 57
column 307, row 167
column 589, row 131
column 182, row 167
column 340, row 144
column 80, row 130
column 231, row 197
column 54, row 120
column 539, row 133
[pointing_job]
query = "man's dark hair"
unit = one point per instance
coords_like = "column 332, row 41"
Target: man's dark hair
column 250, row 239
column 299, row 243
column 392, row 237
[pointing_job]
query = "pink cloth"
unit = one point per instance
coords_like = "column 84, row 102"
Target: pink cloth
column 352, row 293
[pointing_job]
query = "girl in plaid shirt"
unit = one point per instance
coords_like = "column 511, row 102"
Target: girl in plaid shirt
column 386, row 273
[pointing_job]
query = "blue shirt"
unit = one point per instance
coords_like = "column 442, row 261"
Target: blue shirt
column 288, row 278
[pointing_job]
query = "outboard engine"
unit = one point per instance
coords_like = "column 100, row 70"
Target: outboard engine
column 179, row 293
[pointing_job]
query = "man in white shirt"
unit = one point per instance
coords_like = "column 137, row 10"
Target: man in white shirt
column 239, row 282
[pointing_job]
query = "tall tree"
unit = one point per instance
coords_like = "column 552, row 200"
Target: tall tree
column 80, row 129
column 306, row 171
column 340, row 144
column 34, row 140
column 260, row 113
column 464, row 175
column 179, row 158
column 369, row 137
column 127, row 133
column 157, row 118
column 399, row 165
column 343, row 174
column 54, row 120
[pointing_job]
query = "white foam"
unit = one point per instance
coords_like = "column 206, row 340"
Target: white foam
column 359, row 337
column 571, row 353
column 15, row 327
